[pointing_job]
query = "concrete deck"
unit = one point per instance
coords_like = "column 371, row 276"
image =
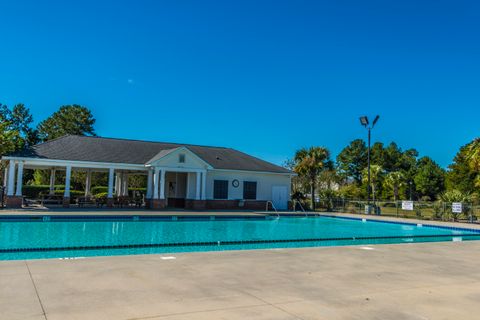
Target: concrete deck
column 406, row 220
column 407, row 281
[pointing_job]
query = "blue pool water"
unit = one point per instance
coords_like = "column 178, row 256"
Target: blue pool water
column 26, row 239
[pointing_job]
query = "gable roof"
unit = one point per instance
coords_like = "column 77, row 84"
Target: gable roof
column 98, row 149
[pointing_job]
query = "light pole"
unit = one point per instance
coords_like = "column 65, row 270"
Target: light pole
column 410, row 183
column 364, row 121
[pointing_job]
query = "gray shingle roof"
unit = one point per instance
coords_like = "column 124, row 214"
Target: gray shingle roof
column 97, row 149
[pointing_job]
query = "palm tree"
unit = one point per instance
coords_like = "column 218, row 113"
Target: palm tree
column 395, row 180
column 473, row 158
column 376, row 173
column 473, row 154
column 309, row 163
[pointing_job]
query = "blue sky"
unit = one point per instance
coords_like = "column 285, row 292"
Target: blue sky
column 264, row 77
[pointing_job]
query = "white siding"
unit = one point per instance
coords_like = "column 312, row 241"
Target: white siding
column 265, row 182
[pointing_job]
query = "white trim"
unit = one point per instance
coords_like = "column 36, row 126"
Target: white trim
column 260, row 172
column 175, row 150
column 182, row 169
column 78, row 164
column 127, row 166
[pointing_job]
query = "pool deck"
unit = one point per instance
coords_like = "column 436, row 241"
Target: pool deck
column 402, row 281
column 405, row 281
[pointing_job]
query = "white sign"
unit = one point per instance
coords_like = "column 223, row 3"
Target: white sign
column 457, row 207
column 407, row 205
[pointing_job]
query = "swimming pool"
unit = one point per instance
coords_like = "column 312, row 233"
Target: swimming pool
column 56, row 236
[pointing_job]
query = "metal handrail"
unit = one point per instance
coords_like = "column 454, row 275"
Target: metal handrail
column 273, row 206
column 301, row 207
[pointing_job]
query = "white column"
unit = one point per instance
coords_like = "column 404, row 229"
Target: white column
column 68, row 174
column 187, row 189
column 88, row 183
column 118, row 184
column 52, row 182
column 5, row 177
column 204, row 185
column 18, row 192
column 162, row 184
column 11, row 178
column 149, row 184
column 111, row 172
column 155, row 183
column 197, row 188
column 125, row 184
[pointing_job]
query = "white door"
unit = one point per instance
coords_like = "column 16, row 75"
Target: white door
column 280, row 197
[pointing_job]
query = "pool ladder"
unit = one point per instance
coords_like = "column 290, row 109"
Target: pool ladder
column 273, row 207
column 301, row 207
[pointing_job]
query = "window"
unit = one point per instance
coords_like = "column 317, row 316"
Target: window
column 250, row 190
column 220, row 189
column 181, row 158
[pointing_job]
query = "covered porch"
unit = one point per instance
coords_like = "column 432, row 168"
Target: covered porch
column 163, row 187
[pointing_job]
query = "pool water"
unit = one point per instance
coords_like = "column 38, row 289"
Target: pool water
column 59, row 237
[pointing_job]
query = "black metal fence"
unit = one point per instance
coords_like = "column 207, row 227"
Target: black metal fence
column 438, row 210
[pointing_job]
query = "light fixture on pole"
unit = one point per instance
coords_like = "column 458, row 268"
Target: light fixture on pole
column 364, row 122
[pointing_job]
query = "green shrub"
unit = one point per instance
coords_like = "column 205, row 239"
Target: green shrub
column 34, row 191
column 437, row 210
column 98, row 189
column 73, row 193
column 103, row 189
column 101, row 195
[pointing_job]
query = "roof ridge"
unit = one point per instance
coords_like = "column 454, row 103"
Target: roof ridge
column 149, row 141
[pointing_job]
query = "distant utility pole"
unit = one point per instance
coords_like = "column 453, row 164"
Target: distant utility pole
column 364, row 122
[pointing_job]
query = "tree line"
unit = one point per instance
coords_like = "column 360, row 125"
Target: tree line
column 396, row 174
column 17, row 131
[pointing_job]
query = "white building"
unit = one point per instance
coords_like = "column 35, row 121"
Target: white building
column 179, row 175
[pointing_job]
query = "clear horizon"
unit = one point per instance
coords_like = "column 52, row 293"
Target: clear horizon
column 266, row 78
